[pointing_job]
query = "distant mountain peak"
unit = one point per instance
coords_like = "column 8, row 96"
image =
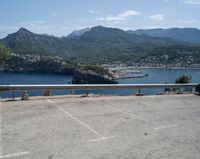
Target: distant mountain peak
column 23, row 30
column 191, row 35
column 100, row 27
column 78, row 32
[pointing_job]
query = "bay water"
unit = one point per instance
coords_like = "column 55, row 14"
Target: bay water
column 155, row 75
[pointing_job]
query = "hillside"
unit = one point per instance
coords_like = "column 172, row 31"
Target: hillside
column 26, row 42
column 4, row 53
column 98, row 45
column 191, row 35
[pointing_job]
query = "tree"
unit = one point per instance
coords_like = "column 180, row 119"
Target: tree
column 4, row 52
column 182, row 80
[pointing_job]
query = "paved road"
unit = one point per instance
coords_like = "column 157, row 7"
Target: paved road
column 129, row 127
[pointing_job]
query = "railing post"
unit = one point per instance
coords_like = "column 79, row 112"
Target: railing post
column 72, row 92
column 87, row 87
column 179, row 91
column 139, row 92
column 25, row 96
column 13, row 95
column 87, row 92
column 47, row 93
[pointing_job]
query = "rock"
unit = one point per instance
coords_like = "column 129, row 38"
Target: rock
column 90, row 77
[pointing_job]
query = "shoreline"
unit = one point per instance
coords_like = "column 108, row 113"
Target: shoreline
column 118, row 77
column 145, row 67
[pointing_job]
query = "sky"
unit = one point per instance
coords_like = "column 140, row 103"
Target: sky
column 61, row 17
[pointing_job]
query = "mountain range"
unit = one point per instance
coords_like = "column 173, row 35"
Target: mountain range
column 191, row 35
column 101, row 44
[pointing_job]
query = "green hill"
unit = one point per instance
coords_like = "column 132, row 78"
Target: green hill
column 191, row 35
column 95, row 45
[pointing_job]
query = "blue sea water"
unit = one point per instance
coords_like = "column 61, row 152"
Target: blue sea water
column 32, row 78
column 156, row 75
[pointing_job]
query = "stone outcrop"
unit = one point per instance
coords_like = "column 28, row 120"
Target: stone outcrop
column 90, row 77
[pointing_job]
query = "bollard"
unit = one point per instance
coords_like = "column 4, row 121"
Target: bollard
column 25, row 96
column 47, row 93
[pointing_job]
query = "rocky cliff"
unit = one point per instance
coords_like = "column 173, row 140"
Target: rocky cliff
column 90, row 77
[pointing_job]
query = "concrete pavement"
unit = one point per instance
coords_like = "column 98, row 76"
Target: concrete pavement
column 124, row 127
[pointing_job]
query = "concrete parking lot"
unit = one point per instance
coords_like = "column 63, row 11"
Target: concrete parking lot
column 104, row 127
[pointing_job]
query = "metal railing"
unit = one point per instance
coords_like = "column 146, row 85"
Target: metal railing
column 48, row 88
column 92, row 86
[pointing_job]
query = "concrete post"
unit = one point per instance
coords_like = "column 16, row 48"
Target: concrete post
column 139, row 93
column 47, row 93
column 13, row 95
column 72, row 92
column 25, row 96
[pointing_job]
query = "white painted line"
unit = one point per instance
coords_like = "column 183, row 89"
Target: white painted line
column 101, row 138
column 164, row 127
column 14, row 155
column 130, row 114
column 1, row 142
column 77, row 120
column 80, row 122
column 50, row 101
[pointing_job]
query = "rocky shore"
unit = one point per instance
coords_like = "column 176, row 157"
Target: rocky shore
column 91, row 77
column 82, row 74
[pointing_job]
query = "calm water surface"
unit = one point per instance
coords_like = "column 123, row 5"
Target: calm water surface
column 155, row 76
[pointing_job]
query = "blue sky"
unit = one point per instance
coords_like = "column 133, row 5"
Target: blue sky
column 60, row 17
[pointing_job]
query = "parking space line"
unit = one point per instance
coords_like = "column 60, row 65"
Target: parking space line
column 100, row 137
column 130, row 114
column 14, row 155
column 165, row 127
column 1, row 142
column 80, row 122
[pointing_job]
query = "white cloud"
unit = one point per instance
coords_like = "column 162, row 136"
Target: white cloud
column 110, row 18
column 91, row 11
column 123, row 16
column 129, row 13
column 191, row 1
column 156, row 17
column 53, row 14
column 32, row 23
